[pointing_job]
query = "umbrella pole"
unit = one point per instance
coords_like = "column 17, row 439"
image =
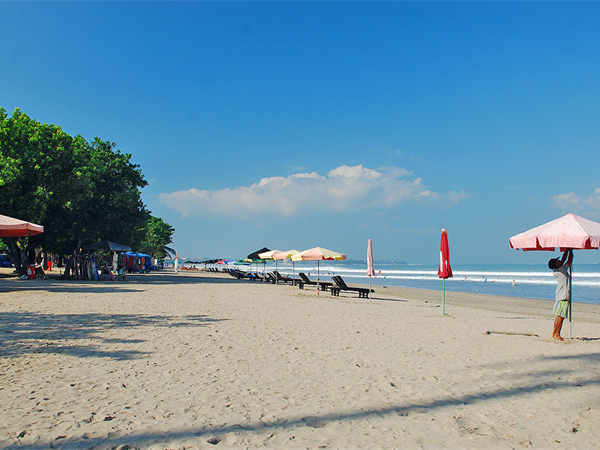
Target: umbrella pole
column 318, row 279
column 369, row 288
column 293, row 273
column 443, row 296
column 571, row 300
column 276, row 279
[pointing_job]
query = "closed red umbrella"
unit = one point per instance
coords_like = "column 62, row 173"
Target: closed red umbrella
column 444, row 270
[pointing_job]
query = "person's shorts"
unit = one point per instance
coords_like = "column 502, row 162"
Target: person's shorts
column 561, row 308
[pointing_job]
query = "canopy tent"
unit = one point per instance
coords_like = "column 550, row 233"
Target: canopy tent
column 318, row 254
column 11, row 227
column 108, row 246
column 147, row 259
column 567, row 232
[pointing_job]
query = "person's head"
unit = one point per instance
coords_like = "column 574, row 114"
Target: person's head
column 554, row 263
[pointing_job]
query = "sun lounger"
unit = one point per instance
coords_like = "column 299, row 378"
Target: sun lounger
column 281, row 278
column 258, row 277
column 323, row 285
column 269, row 278
column 340, row 285
column 242, row 275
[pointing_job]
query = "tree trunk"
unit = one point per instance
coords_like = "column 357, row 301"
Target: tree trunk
column 17, row 250
column 71, row 263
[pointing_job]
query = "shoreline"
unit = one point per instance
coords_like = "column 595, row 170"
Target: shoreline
column 585, row 312
column 198, row 360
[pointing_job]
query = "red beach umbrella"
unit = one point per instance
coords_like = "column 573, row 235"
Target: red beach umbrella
column 569, row 231
column 370, row 267
column 444, row 270
column 10, row 227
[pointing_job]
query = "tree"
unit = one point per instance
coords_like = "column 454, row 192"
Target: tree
column 158, row 235
column 79, row 191
column 31, row 171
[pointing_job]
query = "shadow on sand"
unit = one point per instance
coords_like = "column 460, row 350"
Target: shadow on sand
column 134, row 283
column 319, row 421
column 26, row 332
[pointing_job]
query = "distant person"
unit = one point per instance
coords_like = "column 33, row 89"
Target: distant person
column 122, row 272
column 560, row 268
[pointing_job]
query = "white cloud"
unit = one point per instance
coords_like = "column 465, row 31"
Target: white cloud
column 572, row 201
column 345, row 188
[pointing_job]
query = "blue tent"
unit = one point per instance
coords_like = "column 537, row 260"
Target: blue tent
column 146, row 259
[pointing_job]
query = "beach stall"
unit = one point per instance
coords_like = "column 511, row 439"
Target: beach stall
column 110, row 246
column 138, row 262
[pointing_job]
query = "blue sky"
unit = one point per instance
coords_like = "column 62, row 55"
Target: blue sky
column 294, row 125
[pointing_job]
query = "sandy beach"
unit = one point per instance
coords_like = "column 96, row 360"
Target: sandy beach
column 201, row 361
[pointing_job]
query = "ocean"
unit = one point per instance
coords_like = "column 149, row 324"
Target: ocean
column 517, row 280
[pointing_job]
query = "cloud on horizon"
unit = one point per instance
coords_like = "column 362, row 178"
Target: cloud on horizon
column 345, row 188
column 572, row 201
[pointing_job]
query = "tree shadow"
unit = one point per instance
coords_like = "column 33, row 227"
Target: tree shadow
column 318, row 421
column 31, row 332
column 134, row 283
column 587, row 357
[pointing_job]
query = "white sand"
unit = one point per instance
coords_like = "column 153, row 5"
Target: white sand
column 173, row 362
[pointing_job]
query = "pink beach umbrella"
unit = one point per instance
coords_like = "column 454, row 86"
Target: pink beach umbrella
column 11, row 227
column 318, row 254
column 370, row 268
column 282, row 256
column 270, row 256
column 569, row 231
column 444, row 270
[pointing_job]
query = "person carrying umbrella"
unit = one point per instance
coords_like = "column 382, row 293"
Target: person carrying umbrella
column 560, row 268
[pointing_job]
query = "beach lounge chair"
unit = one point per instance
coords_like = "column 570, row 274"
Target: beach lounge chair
column 269, row 278
column 256, row 277
column 241, row 275
column 281, row 278
column 323, row 285
column 340, row 285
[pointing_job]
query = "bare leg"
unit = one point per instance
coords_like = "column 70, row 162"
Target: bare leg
column 557, row 327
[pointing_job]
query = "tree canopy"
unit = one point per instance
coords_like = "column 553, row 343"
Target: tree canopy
column 79, row 191
column 157, row 236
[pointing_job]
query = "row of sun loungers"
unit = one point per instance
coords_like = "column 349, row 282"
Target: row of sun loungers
column 338, row 285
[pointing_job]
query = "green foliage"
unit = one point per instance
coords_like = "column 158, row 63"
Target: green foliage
column 79, row 191
column 157, row 236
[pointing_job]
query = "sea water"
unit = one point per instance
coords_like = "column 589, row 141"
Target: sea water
column 516, row 280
